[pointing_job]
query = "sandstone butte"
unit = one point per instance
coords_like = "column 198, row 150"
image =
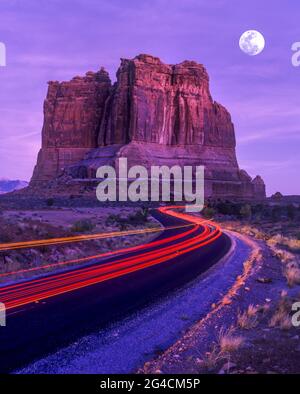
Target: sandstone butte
column 154, row 114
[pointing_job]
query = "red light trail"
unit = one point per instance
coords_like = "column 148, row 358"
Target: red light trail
column 201, row 233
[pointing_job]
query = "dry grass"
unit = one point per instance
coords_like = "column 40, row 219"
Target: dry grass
column 283, row 255
column 291, row 243
column 291, row 269
column 248, row 319
column 253, row 232
column 281, row 318
column 264, row 308
column 292, row 274
column 211, row 359
column 276, row 242
column 282, row 247
column 228, row 341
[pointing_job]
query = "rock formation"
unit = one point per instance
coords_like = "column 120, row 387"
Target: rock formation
column 154, row 114
column 72, row 116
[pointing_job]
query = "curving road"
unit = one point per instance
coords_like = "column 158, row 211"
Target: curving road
column 49, row 312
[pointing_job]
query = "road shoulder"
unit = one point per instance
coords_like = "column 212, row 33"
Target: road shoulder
column 248, row 331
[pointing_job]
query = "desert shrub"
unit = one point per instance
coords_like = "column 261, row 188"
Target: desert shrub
column 6, row 238
column 258, row 208
column 291, row 212
column 228, row 208
column 228, row 341
column 145, row 212
column 50, row 202
column 246, row 211
column 212, row 358
column 277, row 241
column 81, row 226
column 117, row 220
column 248, row 319
column 43, row 249
column 137, row 218
column 292, row 274
column 225, row 208
column 290, row 243
column 141, row 216
column 259, row 212
column 112, row 219
column 123, row 225
column 208, row 212
column 281, row 318
column 276, row 213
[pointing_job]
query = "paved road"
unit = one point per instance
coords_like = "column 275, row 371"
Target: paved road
column 47, row 313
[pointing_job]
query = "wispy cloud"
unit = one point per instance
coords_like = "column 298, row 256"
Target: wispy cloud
column 278, row 133
column 270, row 165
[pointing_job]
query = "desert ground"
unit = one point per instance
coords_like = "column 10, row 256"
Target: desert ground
column 56, row 222
column 249, row 330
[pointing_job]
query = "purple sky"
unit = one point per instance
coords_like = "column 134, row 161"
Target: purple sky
column 58, row 39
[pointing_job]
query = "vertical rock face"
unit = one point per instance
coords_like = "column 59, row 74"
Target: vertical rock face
column 159, row 103
column 72, row 115
column 154, row 114
column 259, row 187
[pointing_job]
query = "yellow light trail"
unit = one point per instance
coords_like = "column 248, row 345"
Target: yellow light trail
column 80, row 238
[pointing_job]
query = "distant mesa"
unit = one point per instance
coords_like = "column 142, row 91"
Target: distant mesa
column 277, row 196
column 7, row 185
column 154, row 114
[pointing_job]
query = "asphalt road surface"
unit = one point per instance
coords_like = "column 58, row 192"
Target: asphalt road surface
column 46, row 313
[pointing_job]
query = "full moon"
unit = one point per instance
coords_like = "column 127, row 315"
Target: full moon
column 252, row 42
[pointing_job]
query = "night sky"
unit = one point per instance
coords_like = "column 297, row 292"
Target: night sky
column 58, row 39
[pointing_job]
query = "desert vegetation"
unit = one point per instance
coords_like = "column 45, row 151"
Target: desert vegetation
column 268, row 327
column 226, row 344
column 252, row 332
column 248, row 319
column 276, row 224
column 20, row 226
